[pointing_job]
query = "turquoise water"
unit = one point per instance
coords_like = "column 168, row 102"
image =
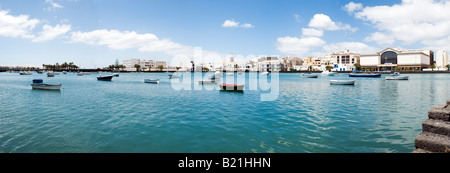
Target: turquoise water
column 128, row 115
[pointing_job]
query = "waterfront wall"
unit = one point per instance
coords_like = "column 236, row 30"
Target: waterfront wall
column 435, row 136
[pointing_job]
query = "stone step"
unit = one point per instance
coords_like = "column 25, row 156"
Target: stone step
column 433, row 142
column 436, row 126
column 440, row 112
column 421, row 151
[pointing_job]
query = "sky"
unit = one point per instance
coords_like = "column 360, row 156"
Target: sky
column 94, row 33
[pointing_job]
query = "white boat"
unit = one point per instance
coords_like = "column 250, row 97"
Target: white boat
column 265, row 73
column 310, row 75
column 151, row 81
column 174, row 75
column 342, row 82
column 50, row 74
column 328, row 73
column 42, row 86
column 80, row 74
column 26, row 73
column 396, row 76
column 64, row 72
column 207, row 82
column 230, row 74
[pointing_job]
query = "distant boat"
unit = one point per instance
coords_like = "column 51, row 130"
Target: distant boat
column 151, row 81
column 80, row 74
column 230, row 74
column 231, row 87
column 364, row 75
column 39, row 72
column 328, row 73
column 105, row 78
column 174, row 75
column 50, row 74
column 116, row 74
column 207, row 82
column 265, row 73
column 26, row 73
column 342, row 82
column 64, row 72
column 310, row 75
column 396, row 76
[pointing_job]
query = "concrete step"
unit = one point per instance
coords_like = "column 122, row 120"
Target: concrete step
column 436, row 126
column 433, row 142
column 440, row 112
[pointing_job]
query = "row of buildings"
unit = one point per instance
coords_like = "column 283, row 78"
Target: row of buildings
column 389, row 59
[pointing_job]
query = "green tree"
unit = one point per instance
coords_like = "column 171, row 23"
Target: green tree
column 310, row 68
column 328, row 68
column 432, row 67
column 137, row 66
column 448, row 67
column 357, row 66
column 160, row 67
column 177, row 68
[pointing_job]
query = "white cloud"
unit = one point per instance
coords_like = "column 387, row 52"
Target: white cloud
column 16, row 26
column 298, row 46
column 380, row 38
column 232, row 23
column 49, row 32
column 352, row 7
column 324, row 22
column 52, row 5
column 412, row 21
column 312, row 32
column 356, row 47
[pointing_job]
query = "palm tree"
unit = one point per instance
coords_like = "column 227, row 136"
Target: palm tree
column 121, row 66
column 160, row 67
column 432, row 67
column 448, row 66
column 177, row 68
column 137, row 66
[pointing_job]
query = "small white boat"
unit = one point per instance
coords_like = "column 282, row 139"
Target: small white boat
column 217, row 74
column 310, row 75
column 230, row 74
column 396, row 76
column 151, row 81
column 265, row 73
column 64, row 72
column 42, row 86
column 26, row 73
column 50, row 74
column 207, row 82
column 342, row 82
column 174, row 76
column 80, row 74
column 328, row 73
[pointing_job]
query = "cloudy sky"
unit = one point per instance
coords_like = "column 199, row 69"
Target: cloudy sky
column 94, row 33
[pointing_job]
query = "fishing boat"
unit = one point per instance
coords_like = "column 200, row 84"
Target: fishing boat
column 310, row 75
column 364, row 74
column 342, row 82
column 26, row 73
column 174, row 75
column 151, row 81
column 265, row 73
column 116, row 74
column 396, row 76
column 104, row 78
column 231, row 87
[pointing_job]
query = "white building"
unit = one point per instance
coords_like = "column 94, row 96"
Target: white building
column 145, row 64
column 391, row 59
column 344, row 61
column 441, row 59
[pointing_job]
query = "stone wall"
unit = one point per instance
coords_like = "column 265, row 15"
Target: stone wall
column 435, row 136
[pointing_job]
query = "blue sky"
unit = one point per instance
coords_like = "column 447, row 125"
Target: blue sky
column 94, row 33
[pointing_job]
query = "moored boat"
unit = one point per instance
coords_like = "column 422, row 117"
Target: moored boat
column 50, row 74
column 104, row 78
column 207, row 82
column 364, row 74
column 231, row 87
column 174, row 75
column 328, row 73
column 26, row 73
column 151, row 81
column 310, row 75
column 265, row 73
column 38, row 80
column 80, row 74
column 230, row 74
column 42, row 86
column 116, row 74
column 397, row 77
column 342, row 82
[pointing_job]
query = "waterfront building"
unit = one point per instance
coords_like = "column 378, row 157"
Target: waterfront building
column 391, row 59
column 269, row 64
column 145, row 64
column 344, row 60
column 442, row 59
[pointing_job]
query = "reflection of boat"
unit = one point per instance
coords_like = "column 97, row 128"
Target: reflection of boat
column 310, row 75
column 104, row 78
column 342, row 82
column 364, row 75
column 328, row 73
column 116, row 74
column 396, row 76
column 265, row 73
column 174, row 76
column 151, row 81
column 231, row 87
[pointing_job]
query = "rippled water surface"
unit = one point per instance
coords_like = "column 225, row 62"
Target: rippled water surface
column 128, row 115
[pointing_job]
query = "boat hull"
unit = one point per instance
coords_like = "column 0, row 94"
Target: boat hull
column 342, row 82
column 46, row 86
column 105, row 78
column 310, row 75
column 207, row 82
column 156, row 81
column 230, row 87
column 397, row 77
column 364, row 75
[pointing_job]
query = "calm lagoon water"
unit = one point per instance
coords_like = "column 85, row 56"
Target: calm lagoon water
column 128, row 115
